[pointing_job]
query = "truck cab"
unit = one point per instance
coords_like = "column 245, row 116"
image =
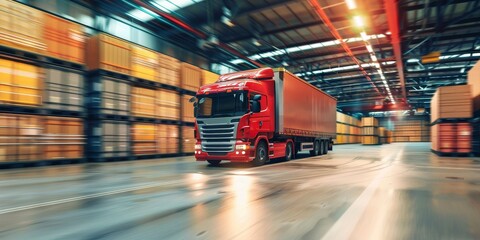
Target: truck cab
column 231, row 114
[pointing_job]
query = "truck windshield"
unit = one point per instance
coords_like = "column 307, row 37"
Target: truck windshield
column 222, row 104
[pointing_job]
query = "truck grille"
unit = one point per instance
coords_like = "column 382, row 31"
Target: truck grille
column 217, row 138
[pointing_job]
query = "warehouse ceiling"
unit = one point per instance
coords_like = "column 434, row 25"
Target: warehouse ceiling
column 322, row 41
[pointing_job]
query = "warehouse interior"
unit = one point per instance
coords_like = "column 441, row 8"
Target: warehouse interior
column 103, row 134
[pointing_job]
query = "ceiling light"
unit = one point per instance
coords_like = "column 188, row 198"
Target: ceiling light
column 374, row 58
column 429, row 74
column 358, row 21
column 168, row 5
column 142, row 14
column 388, row 33
column 364, row 36
column 256, row 42
column 227, row 21
column 411, row 60
column 369, row 48
column 285, row 64
column 462, row 70
column 351, row 4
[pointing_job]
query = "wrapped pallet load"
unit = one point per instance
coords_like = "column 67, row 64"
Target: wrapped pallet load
column 451, row 115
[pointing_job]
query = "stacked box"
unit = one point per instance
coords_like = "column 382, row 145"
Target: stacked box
column 20, row 83
column 451, row 115
column 108, row 139
column 452, row 102
column 188, row 139
column 191, row 77
column 370, row 131
column 474, row 82
column 348, row 130
column 209, row 77
column 109, row 53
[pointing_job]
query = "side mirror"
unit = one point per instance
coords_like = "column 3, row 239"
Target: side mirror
column 255, row 106
column 195, row 105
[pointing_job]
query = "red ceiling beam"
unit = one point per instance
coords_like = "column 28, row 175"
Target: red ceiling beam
column 326, row 20
column 183, row 25
column 378, row 108
column 391, row 10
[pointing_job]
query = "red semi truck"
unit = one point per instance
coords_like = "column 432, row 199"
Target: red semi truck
column 261, row 114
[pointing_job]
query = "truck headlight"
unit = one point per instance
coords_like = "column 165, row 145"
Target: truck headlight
column 242, row 147
column 198, row 146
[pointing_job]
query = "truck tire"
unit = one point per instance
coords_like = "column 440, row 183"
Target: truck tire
column 261, row 154
column 289, row 152
column 325, row 147
column 316, row 149
column 214, row 162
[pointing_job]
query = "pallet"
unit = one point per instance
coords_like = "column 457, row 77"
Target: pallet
column 187, row 92
column 451, row 154
column 38, row 59
column 110, row 159
column 63, row 113
column 143, row 119
column 144, row 83
column 451, row 120
column 187, row 124
column 17, row 109
column 41, row 163
column 102, row 72
column 143, row 157
column 101, row 116
column 169, row 122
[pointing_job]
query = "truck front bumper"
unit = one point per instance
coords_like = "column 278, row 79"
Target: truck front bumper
column 235, row 156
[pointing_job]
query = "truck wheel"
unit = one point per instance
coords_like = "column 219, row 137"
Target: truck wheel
column 316, row 149
column 261, row 154
column 325, row 147
column 214, row 162
column 289, row 152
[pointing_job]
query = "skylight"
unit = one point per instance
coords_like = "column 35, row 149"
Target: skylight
column 173, row 5
column 142, row 14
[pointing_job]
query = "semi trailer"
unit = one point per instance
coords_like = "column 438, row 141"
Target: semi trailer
column 262, row 114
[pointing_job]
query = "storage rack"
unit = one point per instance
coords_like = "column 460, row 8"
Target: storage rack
column 107, row 131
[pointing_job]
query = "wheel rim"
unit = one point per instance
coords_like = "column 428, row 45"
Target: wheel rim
column 262, row 154
column 289, row 151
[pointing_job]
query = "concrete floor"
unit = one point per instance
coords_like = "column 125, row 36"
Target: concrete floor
column 396, row 191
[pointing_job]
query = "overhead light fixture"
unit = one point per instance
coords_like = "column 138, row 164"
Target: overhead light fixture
column 374, row 58
column 358, row 21
column 142, row 14
column 388, row 33
column 364, row 36
column 227, row 17
column 351, row 4
column 256, row 42
column 227, row 21
column 285, row 64
column 462, row 70
column 412, row 60
column 369, row 48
